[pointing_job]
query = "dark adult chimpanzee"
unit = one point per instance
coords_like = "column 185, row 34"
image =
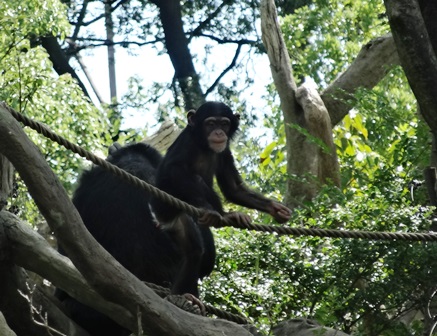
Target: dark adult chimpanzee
column 199, row 153
column 118, row 215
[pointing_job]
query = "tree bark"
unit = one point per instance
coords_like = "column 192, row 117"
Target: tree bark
column 326, row 166
column 429, row 13
column 304, row 159
column 15, row 286
column 6, row 180
column 28, row 249
column 113, row 282
column 164, row 137
column 109, row 25
column 4, row 328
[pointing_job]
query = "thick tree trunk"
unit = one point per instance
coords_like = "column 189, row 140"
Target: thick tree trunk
column 416, row 54
column 317, row 117
column 414, row 30
column 305, row 118
column 306, row 160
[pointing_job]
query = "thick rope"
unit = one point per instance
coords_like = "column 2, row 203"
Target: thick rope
column 331, row 233
column 191, row 210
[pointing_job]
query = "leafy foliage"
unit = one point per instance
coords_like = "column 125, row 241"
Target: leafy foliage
column 324, row 36
column 339, row 282
column 28, row 84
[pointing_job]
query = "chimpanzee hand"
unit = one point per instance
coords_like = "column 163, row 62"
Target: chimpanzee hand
column 187, row 302
column 210, row 218
column 279, row 212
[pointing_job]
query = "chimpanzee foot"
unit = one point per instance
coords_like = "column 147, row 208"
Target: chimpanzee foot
column 196, row 303
column 187, row 302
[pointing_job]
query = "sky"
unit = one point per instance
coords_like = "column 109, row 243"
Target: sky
column 157, row 68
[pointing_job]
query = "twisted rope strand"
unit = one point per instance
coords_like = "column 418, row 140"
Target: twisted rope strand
column 335, row 233
column 193, row 211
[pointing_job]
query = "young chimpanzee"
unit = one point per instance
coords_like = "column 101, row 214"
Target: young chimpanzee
column 199, row 153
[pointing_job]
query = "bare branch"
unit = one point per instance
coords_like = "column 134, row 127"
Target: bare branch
column 225, row 71
column 37, row 314
column 211, row 16
column 80, row 19
column 97, row 18
column 228, row 41
column 371, row 65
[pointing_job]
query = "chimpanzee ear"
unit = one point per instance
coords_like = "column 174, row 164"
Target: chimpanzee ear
column 190, row 117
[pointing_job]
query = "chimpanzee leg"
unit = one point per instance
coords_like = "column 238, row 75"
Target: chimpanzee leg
column 209, row 254
column 189, row 240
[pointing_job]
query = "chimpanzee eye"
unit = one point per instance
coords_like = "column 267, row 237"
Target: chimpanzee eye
column 225, row 123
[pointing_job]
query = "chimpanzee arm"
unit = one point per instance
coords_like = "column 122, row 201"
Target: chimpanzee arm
column 180, row 182
column 235, row 191
column 188, row 238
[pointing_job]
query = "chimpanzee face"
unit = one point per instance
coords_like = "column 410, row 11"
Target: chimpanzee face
column 213, row 125
column 216, row 130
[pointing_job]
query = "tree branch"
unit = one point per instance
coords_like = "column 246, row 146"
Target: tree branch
column 370, row 66
column 228, row 41
column 6, row 180
column 80, row 18
column 205, row 23
column 16, row 289
column 4, row 328
column 31, row 251
column 97, row 18
column 225, row 71
column 59, row 60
